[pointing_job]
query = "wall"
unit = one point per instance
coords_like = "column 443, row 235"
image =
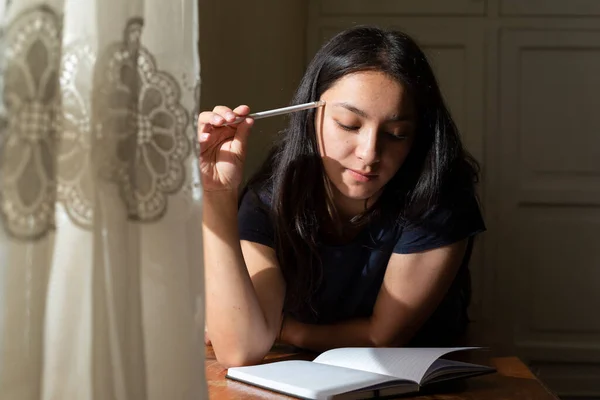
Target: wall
column 255, row 55
column 521, row 79
column 497, row 61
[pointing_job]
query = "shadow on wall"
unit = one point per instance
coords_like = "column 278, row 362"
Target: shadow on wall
column 255, row 56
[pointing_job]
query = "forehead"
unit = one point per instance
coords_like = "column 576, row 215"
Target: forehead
column 372, row 91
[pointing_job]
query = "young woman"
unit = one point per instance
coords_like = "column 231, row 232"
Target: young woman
column 358, row 229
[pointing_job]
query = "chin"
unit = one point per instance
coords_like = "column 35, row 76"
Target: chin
column 357, row 195
column 357, row 192
column 361, row 196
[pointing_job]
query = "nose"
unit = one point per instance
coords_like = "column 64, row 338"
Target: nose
column 367, row 148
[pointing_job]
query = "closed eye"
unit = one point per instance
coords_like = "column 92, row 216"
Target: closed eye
column 352, row 128
column 396, row 136
column 348, row 127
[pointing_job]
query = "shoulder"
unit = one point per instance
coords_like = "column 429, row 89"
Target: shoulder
column 255, row 221
column 257, row 194
column 457, row 218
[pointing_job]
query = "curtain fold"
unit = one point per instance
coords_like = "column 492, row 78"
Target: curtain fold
column 101, row 279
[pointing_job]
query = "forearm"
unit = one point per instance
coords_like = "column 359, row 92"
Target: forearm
column 359, row 332
column 237, row 325
column 351, row 333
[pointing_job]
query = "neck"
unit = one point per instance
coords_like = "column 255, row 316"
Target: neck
column 349, row 208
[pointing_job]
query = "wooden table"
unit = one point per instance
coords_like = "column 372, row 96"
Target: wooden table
column 512, row 381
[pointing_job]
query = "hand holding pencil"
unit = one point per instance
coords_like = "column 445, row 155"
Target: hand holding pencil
column 223, row 136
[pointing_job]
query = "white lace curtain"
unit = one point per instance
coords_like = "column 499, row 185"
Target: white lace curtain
column 101, row 283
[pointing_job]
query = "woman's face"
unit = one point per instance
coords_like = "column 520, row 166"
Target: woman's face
column 365, row 132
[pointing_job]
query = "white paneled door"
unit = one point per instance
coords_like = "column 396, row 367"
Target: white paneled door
column 548, row 144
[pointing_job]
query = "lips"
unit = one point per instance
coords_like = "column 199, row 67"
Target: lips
column 361, row 176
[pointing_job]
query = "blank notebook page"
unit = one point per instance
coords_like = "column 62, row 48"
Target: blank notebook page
column 406, row 363
column 306, row 379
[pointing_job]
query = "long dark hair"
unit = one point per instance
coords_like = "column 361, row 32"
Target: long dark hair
column 436, row 165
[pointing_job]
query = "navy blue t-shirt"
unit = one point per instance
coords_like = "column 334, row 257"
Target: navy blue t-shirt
column 353, row 272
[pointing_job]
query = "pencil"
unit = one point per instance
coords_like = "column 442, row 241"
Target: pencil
column 278, row 111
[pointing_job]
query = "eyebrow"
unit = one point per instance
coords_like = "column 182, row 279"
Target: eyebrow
column 358, row 111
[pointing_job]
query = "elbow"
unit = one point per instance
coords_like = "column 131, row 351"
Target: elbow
column 234, row 360
column 387, row 335
column 240, row 350
column 385, row 339
column 237, row 357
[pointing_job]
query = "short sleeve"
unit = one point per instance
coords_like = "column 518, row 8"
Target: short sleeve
column 254, row 222
column 442, row 227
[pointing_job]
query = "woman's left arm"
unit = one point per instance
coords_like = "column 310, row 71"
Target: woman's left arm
column 413, row 286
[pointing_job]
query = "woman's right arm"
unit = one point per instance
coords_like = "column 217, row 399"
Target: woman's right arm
column 244, row 285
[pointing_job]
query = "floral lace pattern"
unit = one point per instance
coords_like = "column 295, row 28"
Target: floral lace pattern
column 75, row 171
column 119, row 102
column 150, row 142
column 31, row 101
column 195, row 114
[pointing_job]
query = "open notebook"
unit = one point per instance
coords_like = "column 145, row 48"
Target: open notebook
column 358, row 373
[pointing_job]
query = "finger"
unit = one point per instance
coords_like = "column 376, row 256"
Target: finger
column 206, row 337
column 209, row 117
column 221, row 110
column 225, row 112
column 242, row 111
column 204, row 129
column 204, row 134
column 209, row 135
